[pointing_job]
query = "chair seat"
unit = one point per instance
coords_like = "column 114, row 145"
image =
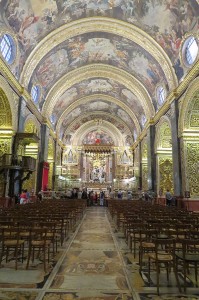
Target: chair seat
column 188, row 257
column 161, row 257
column 13, row 242
column 147, row 245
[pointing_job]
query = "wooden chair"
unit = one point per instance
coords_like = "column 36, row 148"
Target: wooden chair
column 39, row 243
column 189, row 257
column 11, row 241
column 163, row 257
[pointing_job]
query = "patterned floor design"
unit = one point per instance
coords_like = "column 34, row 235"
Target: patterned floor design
column 94, row 263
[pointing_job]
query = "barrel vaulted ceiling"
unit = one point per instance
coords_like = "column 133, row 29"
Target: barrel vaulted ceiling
column 98, row 62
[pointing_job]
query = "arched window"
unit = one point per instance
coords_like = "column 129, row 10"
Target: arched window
column 7, row 47
column 161, row 95
column 191, row 50
column 143, row 120
column 35, row 91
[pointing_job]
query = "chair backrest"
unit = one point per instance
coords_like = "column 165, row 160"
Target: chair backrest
column 190, row 246
column 164, row 246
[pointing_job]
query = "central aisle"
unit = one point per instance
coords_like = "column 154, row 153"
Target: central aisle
column 92, row 267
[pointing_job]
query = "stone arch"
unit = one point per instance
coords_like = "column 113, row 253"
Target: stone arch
column 164, row 162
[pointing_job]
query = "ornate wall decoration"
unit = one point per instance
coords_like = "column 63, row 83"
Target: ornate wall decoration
column 165, row 174
column 10, row 104
column 144, row 162
column 5, row 111
column 189, row 110
column 31, row 127
column 163, row 139
column 192, row 167
column 51, row 153
column 5, row 145
column 144, row 177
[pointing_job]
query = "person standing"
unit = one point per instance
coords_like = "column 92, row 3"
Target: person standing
column 168, row 197
column 101, row 197
column 23, row 197
column 79, row 194
column 119, row 195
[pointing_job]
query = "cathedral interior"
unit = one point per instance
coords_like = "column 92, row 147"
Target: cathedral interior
column 97, row 95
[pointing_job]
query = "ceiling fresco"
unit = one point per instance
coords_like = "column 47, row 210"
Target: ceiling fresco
column 167, row 21
column 121, row 126
column 84, row 70
column 97, row 137
column 98, row 47
column 96, row 86
column 98, row 106
column 129, row 135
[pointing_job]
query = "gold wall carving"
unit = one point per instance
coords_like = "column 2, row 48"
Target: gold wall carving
column 144, row 161
column 144, row 150
column 165, row 174
column 51, row 153
column 163, row 139
column 12, row 101
column 189, row 105
column 192, row 168
column 144, row 177
column 5, row 111
column 5, row 146
column 31, row 127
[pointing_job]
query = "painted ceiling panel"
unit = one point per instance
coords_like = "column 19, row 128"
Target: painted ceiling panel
column 98, row 48
column 166, row 21
column 96, row 59
column 95, row 85
column 87, row 117
column 95, row 106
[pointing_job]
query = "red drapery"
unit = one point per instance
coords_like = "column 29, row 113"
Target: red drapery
column 45, row 176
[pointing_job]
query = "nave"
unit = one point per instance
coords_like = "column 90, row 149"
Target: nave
column 93, row 263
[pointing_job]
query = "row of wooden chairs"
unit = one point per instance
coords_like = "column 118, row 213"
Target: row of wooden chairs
column 37, row 227
column 165, row 237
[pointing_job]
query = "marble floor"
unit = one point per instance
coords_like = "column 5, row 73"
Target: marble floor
column 93, row 263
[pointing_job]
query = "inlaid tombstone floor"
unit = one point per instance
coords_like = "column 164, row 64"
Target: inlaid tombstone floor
column 94, row 263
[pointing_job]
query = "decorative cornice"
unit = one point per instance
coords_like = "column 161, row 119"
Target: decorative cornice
column 99, row 24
